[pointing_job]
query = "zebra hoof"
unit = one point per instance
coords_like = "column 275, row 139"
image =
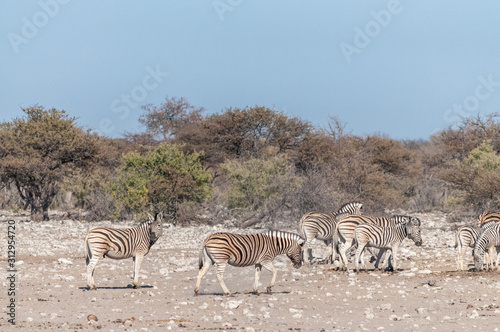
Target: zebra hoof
column 136, row 286
column 195, row 293
column 268, row 290
column 92, row 287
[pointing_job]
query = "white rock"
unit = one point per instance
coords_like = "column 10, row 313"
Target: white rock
column 64, row 261
column 233, row 304
column 474, row 314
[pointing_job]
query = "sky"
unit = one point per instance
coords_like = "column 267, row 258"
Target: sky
column 404, row 69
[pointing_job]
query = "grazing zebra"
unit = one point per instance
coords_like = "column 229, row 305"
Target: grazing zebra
column 389, row 237
column 322, row 226
column 466, row 236
column 487, row 239
column 245, row 250
column 487, row 216
column 120, row 244
column 489, row 254
column 344, row 235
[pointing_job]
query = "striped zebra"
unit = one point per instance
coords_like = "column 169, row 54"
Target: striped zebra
column 245, row 250
column 487, row 216
column 344, row 236
column 384, row 238
column 120, row 244
column 465, row 236
column 487, row 239
column 321, row 226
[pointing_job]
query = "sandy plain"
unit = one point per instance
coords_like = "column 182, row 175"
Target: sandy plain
column 428, row 294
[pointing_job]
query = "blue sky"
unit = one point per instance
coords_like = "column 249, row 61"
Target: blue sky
column 404, row 69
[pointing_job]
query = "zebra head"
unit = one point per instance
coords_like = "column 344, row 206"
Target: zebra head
column 156, row 227
column 478, row 259
column 294, row 252
column 414, row 233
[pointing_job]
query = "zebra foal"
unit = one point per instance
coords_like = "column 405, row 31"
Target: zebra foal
column 245, row 250
column 373, row 235
column 321, row 226
column 120, row 244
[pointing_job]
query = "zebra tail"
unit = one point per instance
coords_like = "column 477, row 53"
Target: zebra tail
column 456, row 241
column 204, row 257
column 88, row 252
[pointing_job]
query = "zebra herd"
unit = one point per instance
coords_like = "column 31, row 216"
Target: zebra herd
column 341, row 231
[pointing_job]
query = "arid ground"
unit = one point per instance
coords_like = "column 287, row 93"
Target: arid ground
column 427, row 294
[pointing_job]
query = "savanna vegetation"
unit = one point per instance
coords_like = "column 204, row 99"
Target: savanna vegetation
column 249, row 165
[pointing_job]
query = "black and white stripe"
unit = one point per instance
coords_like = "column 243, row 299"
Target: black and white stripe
column 465, row 236
column 389, row 237
column 344, row 236
column 488, row 238
column 321, row 226
column 245, row 250
column 120, row 244
column 488, row 216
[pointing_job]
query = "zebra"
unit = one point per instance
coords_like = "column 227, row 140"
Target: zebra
column 487, row 239
column 245, row 250
column 322, row 226
column 489, row 254
column 488, row 216
column 389, row 237
column 344, row 235
column 120, row 244
column 465, row 236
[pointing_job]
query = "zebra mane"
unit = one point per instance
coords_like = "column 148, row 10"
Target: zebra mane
column 488, row 224
column 283, row 234
column 400, row 219
column 347, row 207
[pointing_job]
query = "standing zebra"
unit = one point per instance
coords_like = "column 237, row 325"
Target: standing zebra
column 120, row 244
column 487, row 239
column 245, row 250
column 322, row 226
column 344, row 235
column 390, row 237
column 466, row 236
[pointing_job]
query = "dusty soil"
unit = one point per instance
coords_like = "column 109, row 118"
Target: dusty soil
column 427, row 294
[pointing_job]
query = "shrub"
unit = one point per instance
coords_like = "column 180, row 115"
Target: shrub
column 161, row 180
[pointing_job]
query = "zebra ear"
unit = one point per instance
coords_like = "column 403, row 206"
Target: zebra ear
column 160, row 216
column 301, row 242
column 151, row 218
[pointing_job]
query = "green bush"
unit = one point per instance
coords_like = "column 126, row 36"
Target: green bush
column 161, row 180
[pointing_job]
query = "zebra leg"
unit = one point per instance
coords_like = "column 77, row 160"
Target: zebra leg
column 269, row 266
column 359, row 252
column 207, row 263
column 90, row 272
column 381, row 253
column 137, row 267
column 343, row 258
column 258, row 268
column 394, row 251
column 329, row 256
column 459, row 259
column 307, row 247
column 221, row 267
